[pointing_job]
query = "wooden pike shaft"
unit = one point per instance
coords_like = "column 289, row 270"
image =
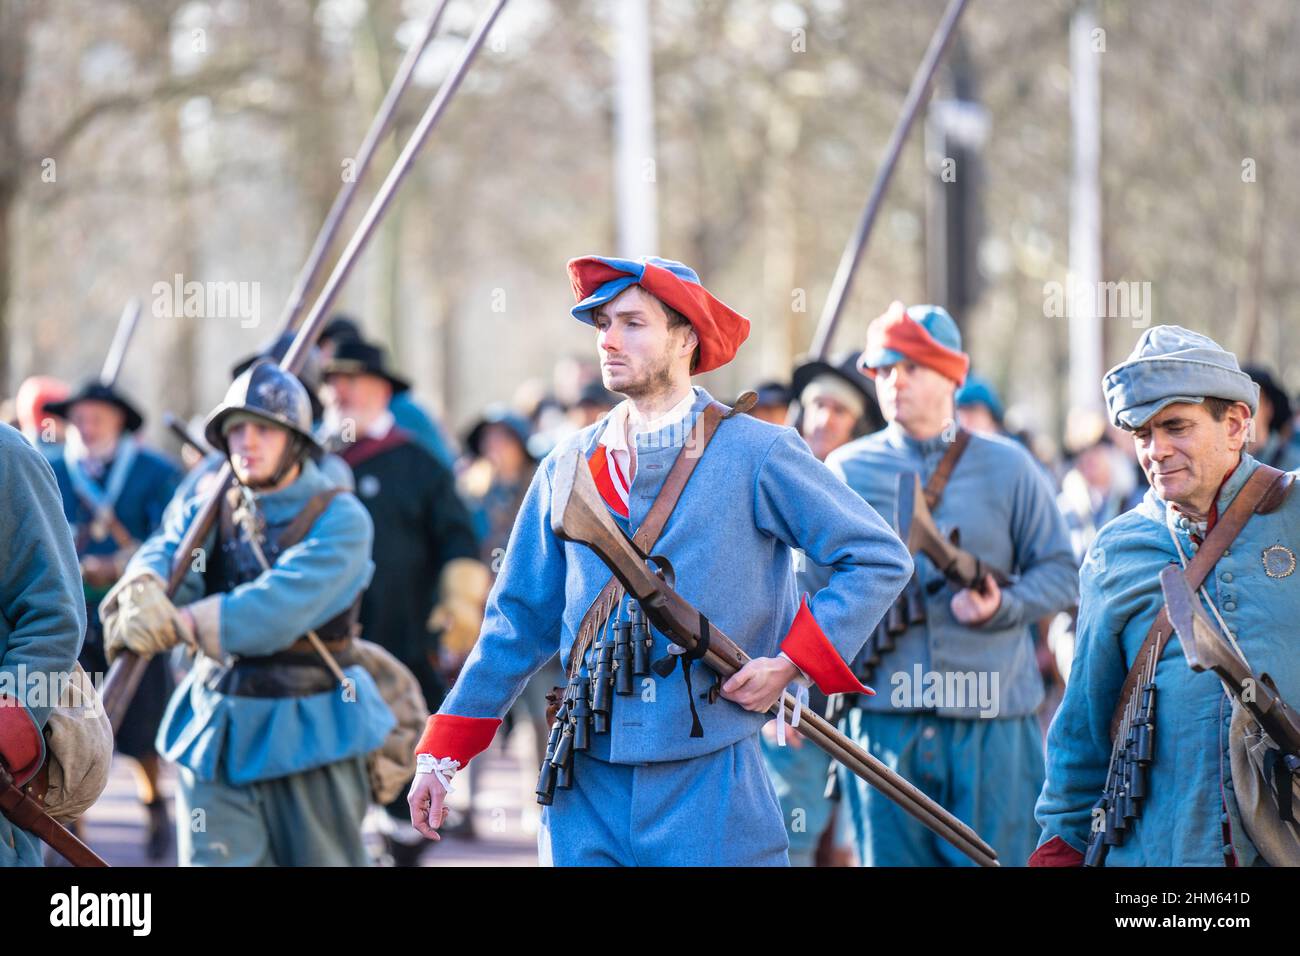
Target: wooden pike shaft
column 361, row 162
column 917, row 95
column 127, row 670
column 121, row 341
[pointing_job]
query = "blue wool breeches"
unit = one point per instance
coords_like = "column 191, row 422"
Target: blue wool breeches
column 988, row 773
column 716, row 810
column 312, row 818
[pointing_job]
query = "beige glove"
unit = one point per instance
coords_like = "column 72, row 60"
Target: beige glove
column 138, row 616
column 463, row 590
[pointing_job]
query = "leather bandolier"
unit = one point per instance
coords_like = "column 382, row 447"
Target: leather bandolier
column 614, row 640
column 909, row 609
column 298, row 670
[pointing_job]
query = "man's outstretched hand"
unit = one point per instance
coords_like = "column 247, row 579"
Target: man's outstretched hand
column 426, row 802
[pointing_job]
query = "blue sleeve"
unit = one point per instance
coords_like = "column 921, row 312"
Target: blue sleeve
column 311, row 582
column 1078, row 742
column 1044, row 557
column 159, row 548
column 41, row 600
column 525, row 608
column 803, row 503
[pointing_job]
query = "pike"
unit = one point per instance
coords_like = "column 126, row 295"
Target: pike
column 121, row 340
column 184, row 435
column 579, row 514
column 916, row 528
column 1207, row 649
column 361, row 162
column 127, row 670
column 917, row 95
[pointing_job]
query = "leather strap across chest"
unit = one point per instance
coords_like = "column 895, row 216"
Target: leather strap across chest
column 653, row 525
column 1263, row 492
column 939, row 480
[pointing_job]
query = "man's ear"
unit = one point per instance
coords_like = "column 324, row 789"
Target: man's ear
column 1240, row 424
column 692, row 339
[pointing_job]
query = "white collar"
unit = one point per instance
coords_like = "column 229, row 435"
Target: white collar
column 381, row 426
column 625, row 422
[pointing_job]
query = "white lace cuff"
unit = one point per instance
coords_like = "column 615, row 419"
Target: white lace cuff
column 444, row 768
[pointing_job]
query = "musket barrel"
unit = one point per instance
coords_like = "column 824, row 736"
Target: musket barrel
column 921, row 807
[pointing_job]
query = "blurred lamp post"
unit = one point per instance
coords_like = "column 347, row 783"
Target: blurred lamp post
column 1085, row 212
column 635, row 171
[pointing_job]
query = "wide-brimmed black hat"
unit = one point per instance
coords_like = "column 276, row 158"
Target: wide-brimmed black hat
column 595, row 393
column 1277, row 396
column 845, row 368
column 772, row 393
column 362, row 358
column 99, row 392
column 498, row 415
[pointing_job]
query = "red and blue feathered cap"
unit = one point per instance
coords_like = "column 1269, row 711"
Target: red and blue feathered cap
column 720, row 329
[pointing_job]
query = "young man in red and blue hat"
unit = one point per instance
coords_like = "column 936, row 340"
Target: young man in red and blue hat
column 649, row 792
column 957, row 715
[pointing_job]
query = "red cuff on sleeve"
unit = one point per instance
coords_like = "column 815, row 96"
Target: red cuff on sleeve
column 460, row 738
column 817, row 657
column 21, row 746
column 1056, row 852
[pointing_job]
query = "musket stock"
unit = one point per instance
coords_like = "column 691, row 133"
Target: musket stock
column 579, row 514
column 918, row 531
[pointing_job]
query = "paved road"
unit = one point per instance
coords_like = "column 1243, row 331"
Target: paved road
column 505, row 816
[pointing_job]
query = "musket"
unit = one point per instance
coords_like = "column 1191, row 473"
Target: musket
column 128, row 668
column 917, row 95
column 916, row 528
column 361, row 162
column 121, row 339
column 184, row 435
column 579, row 514
column 1207, row 649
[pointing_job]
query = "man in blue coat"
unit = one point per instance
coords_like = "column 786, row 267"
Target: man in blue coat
column 673, row 781
column 1188, row 406
column 958, row 717
column 42, row 619
column 114, row 493
column 272, row 726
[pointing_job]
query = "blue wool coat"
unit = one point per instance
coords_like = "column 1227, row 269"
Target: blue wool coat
column 150, row 484
column 42, row 614
column 247, row 738
column 1190, row 782
column 1007, row 514
column 756, row 493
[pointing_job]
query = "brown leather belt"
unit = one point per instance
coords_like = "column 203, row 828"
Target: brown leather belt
column 287, row 673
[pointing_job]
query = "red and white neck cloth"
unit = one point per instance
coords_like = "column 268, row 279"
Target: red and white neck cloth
column 613, row 463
